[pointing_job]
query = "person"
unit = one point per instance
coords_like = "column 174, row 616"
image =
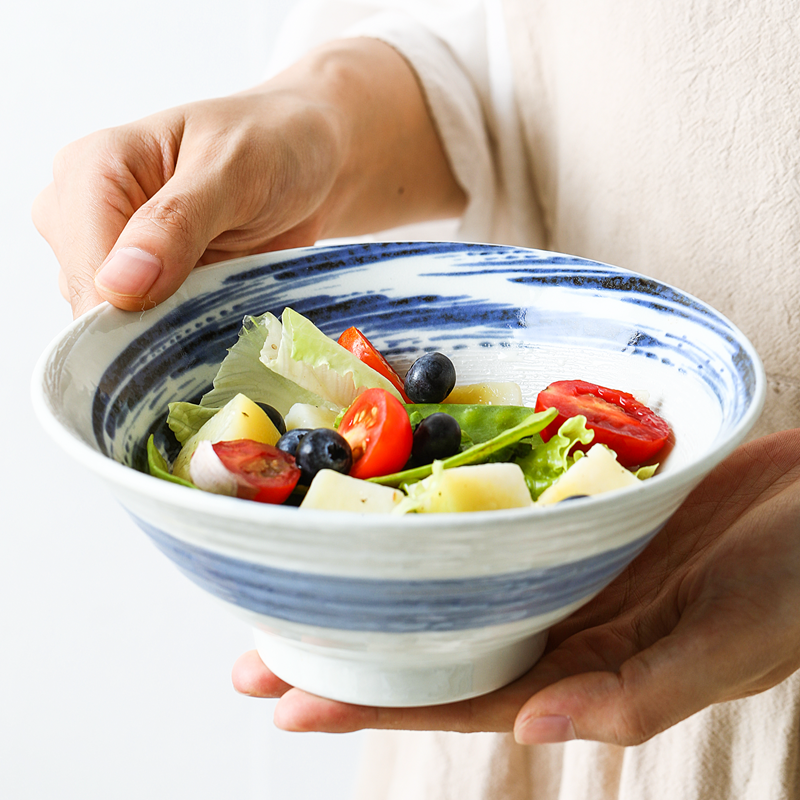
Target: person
column 662, row 139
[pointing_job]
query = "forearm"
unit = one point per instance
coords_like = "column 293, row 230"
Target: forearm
column 391, row 167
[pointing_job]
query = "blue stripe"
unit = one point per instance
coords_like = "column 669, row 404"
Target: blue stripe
column 393, row 606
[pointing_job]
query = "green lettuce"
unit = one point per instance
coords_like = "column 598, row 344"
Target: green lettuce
column 243, row 371
column 185, row 419
column 299, row 351
column 546, row 461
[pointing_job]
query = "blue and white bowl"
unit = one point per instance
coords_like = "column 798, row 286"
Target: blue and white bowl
column 422, row 609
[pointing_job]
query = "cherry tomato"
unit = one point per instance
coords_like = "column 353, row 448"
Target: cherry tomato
column 379, row 433
column 263, row 472
column 619, row 420
column 358, row 344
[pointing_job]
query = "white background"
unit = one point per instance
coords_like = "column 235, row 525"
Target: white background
column 114, row 669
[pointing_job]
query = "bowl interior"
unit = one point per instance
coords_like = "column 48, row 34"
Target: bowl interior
column 500, row 313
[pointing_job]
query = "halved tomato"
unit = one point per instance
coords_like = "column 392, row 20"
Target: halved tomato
column 353, row 340
column 379, row 433
column 618, row 419
column 263, row 473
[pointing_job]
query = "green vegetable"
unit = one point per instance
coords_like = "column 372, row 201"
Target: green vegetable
column 479, row 453
column 547, row 461
column 243, row 372
column 479, row 423
column 301, row 352
column 159, row 468
column 185, row 419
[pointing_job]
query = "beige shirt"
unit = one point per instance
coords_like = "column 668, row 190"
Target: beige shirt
column 665, row 138
column 660, row 137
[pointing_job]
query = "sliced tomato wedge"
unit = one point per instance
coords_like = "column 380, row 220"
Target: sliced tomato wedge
column 618, row 419
column 379, row 433
column 353, row 340
column 263, row 473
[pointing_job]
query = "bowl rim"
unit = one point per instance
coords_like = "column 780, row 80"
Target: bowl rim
column 132, row 480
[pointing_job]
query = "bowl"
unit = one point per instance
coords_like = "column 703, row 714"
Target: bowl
column 418, row 609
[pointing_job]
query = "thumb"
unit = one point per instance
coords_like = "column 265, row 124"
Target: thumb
column 650, row 692
column 161, row 244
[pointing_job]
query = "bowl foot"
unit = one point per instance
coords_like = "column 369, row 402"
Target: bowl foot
column 386, row 679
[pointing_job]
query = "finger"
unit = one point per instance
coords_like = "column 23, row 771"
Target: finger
column 81, row 215
column 300, row 711
column 496, row 712
column 63, row 285
column 46, row 216
column 162, row 242
column 100, row 184
column 651, row 691
column 252, row 678
column 493, row 712
column 78, row 288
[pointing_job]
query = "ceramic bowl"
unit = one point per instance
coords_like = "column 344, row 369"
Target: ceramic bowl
column 420, row 609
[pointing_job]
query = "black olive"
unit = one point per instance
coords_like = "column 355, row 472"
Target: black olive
column 275, row 416
column 438, row 436
column 430, row 379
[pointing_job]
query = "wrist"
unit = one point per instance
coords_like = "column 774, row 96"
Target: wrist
column 373, row 130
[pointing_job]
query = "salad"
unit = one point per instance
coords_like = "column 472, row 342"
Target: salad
column 296, row 417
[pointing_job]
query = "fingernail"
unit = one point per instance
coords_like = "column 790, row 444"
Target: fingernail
column 130, row 272
column 545, row 730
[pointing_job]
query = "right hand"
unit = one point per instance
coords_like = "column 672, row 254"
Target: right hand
column 310, row 153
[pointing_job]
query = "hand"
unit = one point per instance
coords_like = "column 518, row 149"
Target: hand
column 314, row 152
column 706, row 614
column 132, row 210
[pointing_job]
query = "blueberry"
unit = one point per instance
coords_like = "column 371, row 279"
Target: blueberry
column 289, row 441
column 438, row 436
column 323, row 448
column 275, row 416
column 430, row 379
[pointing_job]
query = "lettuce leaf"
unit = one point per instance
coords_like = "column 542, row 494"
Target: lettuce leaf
column 242, row 371
column 185, row 419
column 546, row 461
column 299, row 351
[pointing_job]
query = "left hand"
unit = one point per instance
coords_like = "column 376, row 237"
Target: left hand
column 706, row 614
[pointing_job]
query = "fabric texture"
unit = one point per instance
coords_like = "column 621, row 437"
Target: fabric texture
column 658, row 137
